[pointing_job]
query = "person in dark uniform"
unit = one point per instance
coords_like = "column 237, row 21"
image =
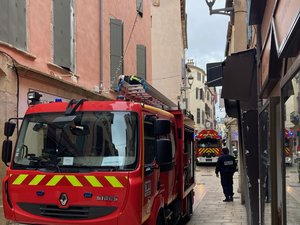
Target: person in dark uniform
column 226, row 165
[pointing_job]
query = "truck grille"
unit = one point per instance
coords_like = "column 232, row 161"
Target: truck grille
column 72, row 212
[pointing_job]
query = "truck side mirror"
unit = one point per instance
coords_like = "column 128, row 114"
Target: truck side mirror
column 6, row 151
column 164, row 152
column 9, row 129
column 162, row 127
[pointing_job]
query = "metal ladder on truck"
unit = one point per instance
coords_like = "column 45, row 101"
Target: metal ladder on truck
column 144, row 92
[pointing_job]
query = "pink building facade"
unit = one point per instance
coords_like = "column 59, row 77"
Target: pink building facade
column 70, row 49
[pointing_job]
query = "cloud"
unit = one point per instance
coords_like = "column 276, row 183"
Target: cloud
column 206, row 33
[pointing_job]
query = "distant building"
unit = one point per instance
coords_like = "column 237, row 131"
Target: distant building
column 200, row 99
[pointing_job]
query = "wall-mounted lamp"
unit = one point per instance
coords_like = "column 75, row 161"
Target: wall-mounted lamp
column 190, row 81
column 225, row 11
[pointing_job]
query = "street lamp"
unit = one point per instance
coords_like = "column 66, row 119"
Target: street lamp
column 225, row 11
column 190, row 81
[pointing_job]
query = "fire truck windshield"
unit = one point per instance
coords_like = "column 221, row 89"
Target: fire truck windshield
column 89, row 141
column 209, row 143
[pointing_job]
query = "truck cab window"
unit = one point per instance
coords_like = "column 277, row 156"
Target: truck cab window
column 149, row 141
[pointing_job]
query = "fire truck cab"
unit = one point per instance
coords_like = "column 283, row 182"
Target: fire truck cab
column 100, row 162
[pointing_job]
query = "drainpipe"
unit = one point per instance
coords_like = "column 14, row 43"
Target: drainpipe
column 101, row 49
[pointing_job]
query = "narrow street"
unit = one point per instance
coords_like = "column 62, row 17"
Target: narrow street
column 209, row 208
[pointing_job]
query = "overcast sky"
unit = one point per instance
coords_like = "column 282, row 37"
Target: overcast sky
column 206, row 37
column 206, row 33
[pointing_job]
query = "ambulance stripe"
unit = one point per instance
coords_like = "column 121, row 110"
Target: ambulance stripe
column 20, row 179
column 74, row 181
column 54, row 180
column 93, row 181
column 114, row 181
column 36, row 180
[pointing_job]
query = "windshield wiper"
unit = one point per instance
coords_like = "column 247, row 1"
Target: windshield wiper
column 42, row 163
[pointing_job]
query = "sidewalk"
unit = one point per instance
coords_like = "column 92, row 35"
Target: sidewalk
column 209, row 208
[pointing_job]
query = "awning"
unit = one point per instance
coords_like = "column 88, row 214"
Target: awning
column 214, row 73
column 239, row 75
column 256, row 11
column 231, row 108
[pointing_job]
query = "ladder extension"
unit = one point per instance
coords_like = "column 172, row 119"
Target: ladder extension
column 143, row 92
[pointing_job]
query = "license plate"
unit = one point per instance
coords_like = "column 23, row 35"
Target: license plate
column 208, row 160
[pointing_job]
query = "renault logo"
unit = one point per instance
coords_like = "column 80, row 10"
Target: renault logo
column 63, row 199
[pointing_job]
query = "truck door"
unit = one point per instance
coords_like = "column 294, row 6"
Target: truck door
column 151, row 169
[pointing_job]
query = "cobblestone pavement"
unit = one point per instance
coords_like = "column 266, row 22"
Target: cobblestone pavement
column 209, row 208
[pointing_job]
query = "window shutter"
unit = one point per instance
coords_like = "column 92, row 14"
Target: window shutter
column 19, row 27
column 4, row 20
column 141, row 61
column 116, row 51
column 139, row 7
column 198, row 116
column 201, row 94
column 13, row 23
column 62, row 33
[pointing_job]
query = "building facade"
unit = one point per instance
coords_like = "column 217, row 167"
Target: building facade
column 70, row 49
column 266, row 105
column 169, row 41
column 199, row 99
column 276, row 32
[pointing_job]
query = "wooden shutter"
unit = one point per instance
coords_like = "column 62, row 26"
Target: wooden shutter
column 13, row 23
column 116, row 51
column 198, row 116
column 141, row 61
column 62, row 34
column 139, row 7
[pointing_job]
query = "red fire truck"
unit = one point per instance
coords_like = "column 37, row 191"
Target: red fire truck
column 100, row 162
column 208, row 146
column 288, row 147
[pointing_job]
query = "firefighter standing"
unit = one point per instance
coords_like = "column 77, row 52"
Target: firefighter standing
column 226, row 165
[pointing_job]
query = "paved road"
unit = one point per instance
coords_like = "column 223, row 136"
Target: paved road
column 209, row 208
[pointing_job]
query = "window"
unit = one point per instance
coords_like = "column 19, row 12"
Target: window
column 149, row 141
column 203, row 116
column 201, row 94
column 207, row 95
column 116, row 51
column 289, row 153
column 13, row 23
column 100, row 139
column 198, row 116
column 199, row 76
column 139, row 7
column 197, row 92
column 63, row 37
column 141, row 61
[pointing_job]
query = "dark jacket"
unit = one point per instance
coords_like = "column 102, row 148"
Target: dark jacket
column 226, row 164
